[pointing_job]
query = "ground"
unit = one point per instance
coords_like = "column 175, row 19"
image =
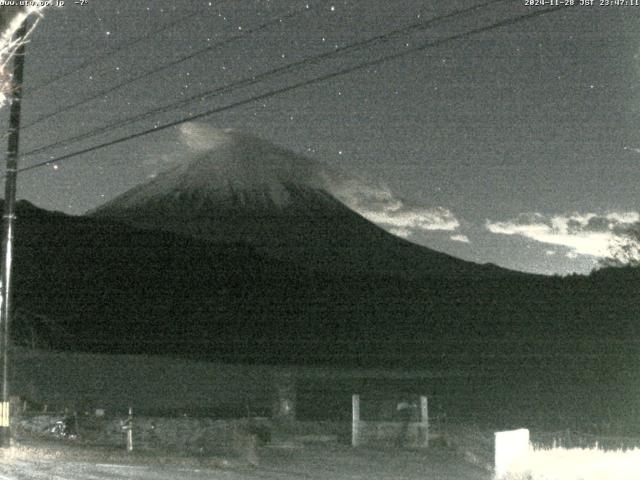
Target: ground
column 308, row 462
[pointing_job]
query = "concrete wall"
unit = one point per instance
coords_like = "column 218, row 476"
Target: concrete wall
column 411, row 435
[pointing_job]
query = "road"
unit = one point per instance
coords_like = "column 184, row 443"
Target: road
column 308, row 463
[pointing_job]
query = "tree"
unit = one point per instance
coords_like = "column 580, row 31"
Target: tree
column 10, row 20
column 625, row 249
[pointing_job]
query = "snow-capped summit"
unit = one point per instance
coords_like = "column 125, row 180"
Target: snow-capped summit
column 236, row 188
column 232, row 169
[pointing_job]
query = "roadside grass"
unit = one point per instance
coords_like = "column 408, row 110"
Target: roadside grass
column 57, row 451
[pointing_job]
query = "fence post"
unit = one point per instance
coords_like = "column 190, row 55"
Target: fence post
column 127, row 426
column 424, row 419
column 355, row 422
column 284, row 408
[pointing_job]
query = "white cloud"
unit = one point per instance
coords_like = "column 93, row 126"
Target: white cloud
column 400, row 232
column 413, row 218
column 460, row 238
column 583, row 233
column 202, row 137
column 379, row 205
column 633, row 149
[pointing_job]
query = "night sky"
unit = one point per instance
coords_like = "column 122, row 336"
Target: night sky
column 517, row 145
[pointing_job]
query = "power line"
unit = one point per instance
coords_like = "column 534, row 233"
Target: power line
column 122, row 46
column 178, row 61
column 272, row 93
column 254, row 79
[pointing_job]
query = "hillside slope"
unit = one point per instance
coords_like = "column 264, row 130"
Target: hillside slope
column 92, row 285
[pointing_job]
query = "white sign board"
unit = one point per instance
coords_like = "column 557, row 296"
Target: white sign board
column 510, row 446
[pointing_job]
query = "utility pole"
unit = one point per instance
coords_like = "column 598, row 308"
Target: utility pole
column 7, row 230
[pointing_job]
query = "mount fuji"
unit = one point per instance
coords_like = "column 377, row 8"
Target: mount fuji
column 237, row 188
